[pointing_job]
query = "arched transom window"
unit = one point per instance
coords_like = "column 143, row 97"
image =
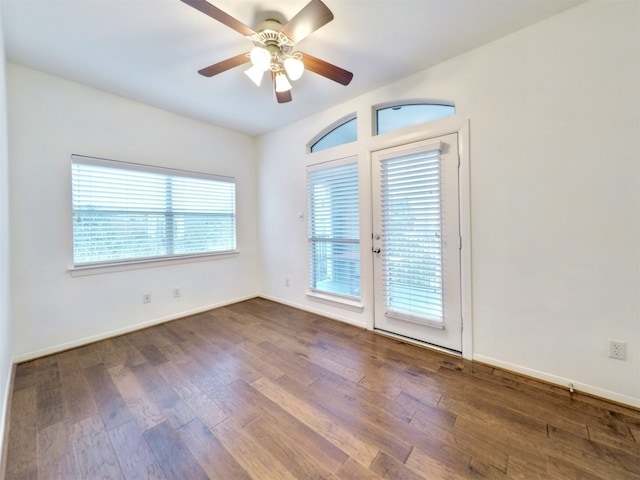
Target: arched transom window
column 391, row 117
column 345, row 131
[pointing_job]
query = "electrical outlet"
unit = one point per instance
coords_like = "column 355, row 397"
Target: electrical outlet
column 176, row 292
column 286, row 282
column 618, row 349
column 146, row 298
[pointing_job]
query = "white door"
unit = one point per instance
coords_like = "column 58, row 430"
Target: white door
column 416, row 241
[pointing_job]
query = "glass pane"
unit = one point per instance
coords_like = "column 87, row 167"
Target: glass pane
column 402, row 116
column 124, row 214
column 335, row 267
column 411, row 235
column 203, row 232
column 334, row 229
column 345, row 133
column 108, row 235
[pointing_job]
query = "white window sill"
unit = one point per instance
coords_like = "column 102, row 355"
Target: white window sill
column 147, row 263
column 336, row 300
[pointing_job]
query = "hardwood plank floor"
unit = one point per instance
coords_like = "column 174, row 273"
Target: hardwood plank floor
column 258, row 390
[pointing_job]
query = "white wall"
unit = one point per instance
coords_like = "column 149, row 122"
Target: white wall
column 5, row 285
column 51, row 118
column 555, row 205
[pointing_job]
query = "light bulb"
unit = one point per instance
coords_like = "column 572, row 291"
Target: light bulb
column 282, row 83
column 294, row 67
column 260, row 58
column 255, row 74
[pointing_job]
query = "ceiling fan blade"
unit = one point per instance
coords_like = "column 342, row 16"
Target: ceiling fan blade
column 326, row 69
column 313, row 16
column 281, row 97
column 224, row 65
column 217, row 14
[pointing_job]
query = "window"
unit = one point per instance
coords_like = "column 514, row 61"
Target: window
column 334, row 228
column 399, row 116
column 411, row 221
column 346, row 132
column 127, row 212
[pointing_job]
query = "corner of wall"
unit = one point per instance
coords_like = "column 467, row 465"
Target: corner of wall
column 6, row 366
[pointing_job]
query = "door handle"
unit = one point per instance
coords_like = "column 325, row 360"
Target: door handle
column 375, row 250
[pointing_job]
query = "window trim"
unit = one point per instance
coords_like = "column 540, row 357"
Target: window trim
column 84, row 271
column 109, row 266
column 336, row 299
column 142, row 167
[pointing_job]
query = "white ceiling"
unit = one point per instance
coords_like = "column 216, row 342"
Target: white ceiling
column 150, row 50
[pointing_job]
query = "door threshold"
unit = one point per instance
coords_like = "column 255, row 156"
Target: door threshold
column 419, row 343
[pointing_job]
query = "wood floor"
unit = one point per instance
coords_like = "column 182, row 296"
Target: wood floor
column 259, row 390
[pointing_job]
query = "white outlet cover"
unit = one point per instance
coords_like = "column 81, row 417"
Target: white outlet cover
column 617, row 349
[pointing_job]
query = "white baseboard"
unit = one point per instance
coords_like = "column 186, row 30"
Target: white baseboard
column 306, row 308
column 5, row 422
column 547, row 377
column 131, row 328
column 560, row 381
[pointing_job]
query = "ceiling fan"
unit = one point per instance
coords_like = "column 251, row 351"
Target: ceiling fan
column 273, row 48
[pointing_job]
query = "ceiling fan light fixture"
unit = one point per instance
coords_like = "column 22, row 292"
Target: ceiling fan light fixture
column 255, row 74
column 294, row 67
column 273, row 48
column 282, row 83
column 260, row 58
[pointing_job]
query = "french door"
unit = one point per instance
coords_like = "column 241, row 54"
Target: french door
column 416, row 241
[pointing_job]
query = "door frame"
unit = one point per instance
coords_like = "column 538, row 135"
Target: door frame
column 435, row 129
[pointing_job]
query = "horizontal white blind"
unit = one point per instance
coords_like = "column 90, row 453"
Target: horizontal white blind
column 411, row 236
column 334, row 230
column 124, row 212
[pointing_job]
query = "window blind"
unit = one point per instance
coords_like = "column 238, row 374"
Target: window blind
column 125, row 212
column 334, row 229
column 411, row 236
